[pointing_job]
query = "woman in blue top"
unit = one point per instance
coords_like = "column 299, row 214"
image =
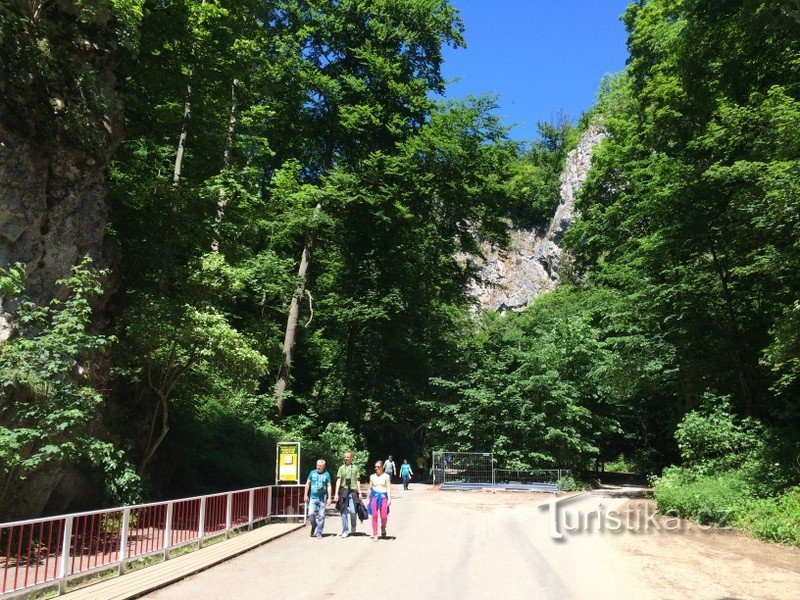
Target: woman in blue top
column 406, row 473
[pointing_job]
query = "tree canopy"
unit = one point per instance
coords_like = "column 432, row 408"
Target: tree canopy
column 293, row 202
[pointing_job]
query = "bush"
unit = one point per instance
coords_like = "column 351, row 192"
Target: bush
column 718, row 499
column 711, row 440
column 569, row 484
column 732, row 475
column 48, row 404
column 774, row 519
column 620, row 465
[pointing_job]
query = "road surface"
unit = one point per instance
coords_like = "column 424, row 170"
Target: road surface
column 511, row 545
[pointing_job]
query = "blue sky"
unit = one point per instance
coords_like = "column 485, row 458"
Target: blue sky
column 540, row 56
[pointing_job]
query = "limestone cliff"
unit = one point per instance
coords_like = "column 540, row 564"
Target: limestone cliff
column 533, row 261
column 60, row 121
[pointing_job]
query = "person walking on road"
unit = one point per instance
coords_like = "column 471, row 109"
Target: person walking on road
column 405, row 473
column 318, row 493
column 389, row 467
column 380, row 499
column 348, row 490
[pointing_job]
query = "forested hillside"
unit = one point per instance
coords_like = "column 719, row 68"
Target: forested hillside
column 289, row 214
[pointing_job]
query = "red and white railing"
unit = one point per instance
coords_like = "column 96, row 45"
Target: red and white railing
column 51, row 550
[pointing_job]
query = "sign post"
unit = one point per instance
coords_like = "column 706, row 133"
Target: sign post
column 287, row 463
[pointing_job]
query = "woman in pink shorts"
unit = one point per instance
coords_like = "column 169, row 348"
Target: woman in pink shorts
column 380, row 498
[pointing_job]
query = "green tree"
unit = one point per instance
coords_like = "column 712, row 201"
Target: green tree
column 48, row 399
column 690, row 208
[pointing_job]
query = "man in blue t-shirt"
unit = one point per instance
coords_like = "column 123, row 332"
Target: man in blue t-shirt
column 318, row 494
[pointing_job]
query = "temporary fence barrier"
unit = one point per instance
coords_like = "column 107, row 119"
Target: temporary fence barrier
column 476, row 470
column 54, row 550
column 462, row 467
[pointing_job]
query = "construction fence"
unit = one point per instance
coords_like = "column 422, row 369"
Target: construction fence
column 477, row 470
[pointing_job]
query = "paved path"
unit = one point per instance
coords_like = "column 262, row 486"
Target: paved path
column 463, row 545
column 136, row 583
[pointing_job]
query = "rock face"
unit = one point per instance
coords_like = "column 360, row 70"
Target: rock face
column 53, row 212
column 58, row 131
column 533, row 262
column 60, row 121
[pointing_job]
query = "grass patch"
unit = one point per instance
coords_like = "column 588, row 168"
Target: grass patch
column 96, row 577
column 184, row 549
column 43, row 593
column 145, row 561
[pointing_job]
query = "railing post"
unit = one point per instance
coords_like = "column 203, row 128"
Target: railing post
column 228, row 514
column 168, row 531
column 123, row 551
column 63, row 569
column 269, row 503
column 201, row 526
column 250, row 511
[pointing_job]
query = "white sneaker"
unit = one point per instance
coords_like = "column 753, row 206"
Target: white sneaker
column 345, row 534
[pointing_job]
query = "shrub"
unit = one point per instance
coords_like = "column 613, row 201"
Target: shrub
column 711, row 440
column 620, row 465
column 569, row 484
column 774, row 519
column 706, row 499
column 47, row 401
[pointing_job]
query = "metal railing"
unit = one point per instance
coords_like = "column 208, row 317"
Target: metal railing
column 54, row 550
column 527, row 476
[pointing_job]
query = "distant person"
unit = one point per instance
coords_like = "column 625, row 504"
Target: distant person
column 389, row 467
column 405, row 473
column 348, row 490
column 380, row 499
column 318, row 494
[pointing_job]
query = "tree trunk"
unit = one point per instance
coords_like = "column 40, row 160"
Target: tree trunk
column 294, row 309
column 187, row 114
column 164, row 281
column 733, row 342
column 163, row 406
column 152, row 446
column 226, row 164
column 294, row 315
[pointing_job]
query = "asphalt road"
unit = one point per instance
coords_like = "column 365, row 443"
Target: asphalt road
column 463, row 545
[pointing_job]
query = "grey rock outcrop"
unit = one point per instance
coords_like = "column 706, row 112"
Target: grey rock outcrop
column 53, row 211
column 58, row 131
column 533, row 261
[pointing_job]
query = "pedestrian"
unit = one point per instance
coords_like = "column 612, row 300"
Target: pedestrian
column 389, row 468
column 318, row 493
column 380, row 499
column 405, row 473
column 348, row 490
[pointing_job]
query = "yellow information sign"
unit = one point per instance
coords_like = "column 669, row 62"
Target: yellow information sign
column 287, row 469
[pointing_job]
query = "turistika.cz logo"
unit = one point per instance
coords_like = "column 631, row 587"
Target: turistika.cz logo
column 564, row 520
